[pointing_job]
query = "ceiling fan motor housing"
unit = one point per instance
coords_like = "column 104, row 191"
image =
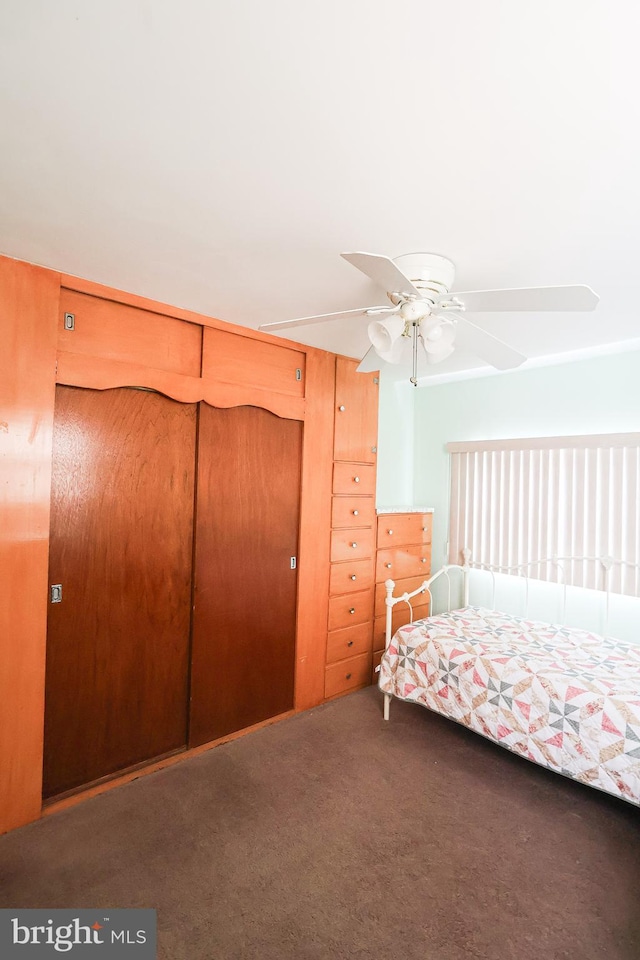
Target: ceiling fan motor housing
column 430, row 273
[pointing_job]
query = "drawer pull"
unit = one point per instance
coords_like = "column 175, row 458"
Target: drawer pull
column 356, row 479
column 390, row 532
column 348, row 677
column 341, row 408
column 354, row 545
column 388, row 566
column 350, row 643
column 423, row 560
column 353, row 576
column 352, row 610
column 356, row 512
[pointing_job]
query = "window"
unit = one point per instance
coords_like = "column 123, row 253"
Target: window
column 514, row 502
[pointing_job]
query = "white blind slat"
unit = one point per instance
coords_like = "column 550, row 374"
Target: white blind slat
column 456, row 507
column 517, row 501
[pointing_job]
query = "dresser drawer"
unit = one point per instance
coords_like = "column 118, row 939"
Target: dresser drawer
column 354, row 478
column 406, row 585
column 406, row 561
column 346, row 544
column 353, row 608
column 342, row 644
column 353, row 512
column 347, row 577
column 396, row 528
column 347, row 675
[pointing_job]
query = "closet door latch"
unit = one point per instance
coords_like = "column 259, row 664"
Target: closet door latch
column 55, row 593
column 294, row 562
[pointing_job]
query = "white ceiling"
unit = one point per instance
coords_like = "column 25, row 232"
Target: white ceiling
column 220, row 155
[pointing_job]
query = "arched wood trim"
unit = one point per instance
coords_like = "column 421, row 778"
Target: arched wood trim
column 100, row 373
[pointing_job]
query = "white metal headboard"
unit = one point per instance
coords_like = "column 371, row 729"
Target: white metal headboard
column 519, row 570
column 425, row 587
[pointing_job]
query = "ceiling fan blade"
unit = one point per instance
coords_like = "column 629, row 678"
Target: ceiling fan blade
column 486, row 346
column 383, row 271
column 370, row 362
column 342, row 315
column 557, row 299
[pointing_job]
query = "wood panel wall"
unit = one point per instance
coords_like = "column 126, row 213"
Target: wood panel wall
column 28, row 311
column 31, row 322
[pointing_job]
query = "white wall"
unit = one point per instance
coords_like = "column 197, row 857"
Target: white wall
column 600, row 395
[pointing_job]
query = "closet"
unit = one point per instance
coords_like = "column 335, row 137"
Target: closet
column 120, row 580
column 132, row 480
column 245, row 574
column 173, row 546
column 105, row 565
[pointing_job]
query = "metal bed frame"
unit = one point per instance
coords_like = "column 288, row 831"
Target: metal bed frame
column 519, row 570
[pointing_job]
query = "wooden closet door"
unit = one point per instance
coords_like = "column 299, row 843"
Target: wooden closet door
column 121, row 546
column 248, row 501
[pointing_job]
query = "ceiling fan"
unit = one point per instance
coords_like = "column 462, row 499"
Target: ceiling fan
column 425, row 313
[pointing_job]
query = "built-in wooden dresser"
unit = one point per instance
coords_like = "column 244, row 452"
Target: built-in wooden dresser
column 403, row 555
column 353, row 530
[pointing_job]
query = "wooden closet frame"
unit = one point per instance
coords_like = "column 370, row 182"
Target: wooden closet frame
column 29, row 371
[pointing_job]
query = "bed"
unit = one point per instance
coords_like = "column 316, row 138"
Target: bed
column 563, row 697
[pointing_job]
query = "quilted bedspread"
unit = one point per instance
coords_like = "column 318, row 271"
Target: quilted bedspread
column 562, row 697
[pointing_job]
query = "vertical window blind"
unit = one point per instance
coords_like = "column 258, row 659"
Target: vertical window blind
column 515, row 502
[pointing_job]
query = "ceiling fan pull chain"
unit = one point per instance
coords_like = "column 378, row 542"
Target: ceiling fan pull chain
column 414, row 371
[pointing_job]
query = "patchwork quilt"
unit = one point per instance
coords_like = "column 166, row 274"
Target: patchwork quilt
column 562, row 697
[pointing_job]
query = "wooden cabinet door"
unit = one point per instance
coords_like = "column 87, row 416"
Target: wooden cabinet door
column 234, row 358
column 121, row 547
column 356, row 414
column 244, row 619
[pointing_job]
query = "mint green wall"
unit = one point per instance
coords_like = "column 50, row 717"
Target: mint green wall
column 600, row 395
column 395, row 443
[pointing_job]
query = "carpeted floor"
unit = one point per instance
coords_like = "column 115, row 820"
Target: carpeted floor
column 334, row 835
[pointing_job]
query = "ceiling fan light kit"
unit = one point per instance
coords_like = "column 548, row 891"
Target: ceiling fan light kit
column 386, row 338
column 439, row 340
column 423, row 310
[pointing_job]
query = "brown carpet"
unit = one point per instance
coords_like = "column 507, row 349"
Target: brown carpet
column 333, row 834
